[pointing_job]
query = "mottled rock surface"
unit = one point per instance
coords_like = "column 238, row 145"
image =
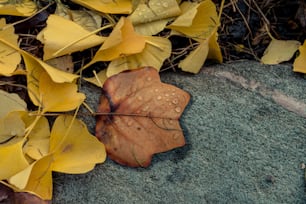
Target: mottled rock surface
column 246, row 140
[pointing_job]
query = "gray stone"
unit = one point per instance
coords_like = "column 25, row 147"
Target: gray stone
column 245, row 129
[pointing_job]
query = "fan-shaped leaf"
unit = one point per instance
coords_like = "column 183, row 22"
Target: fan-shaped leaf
column 72, row 150
column 123, row 41
column 156, row 51
column 279, row 51
column 61, row 32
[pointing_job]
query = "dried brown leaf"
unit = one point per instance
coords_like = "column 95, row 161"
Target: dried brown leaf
column 140, row 116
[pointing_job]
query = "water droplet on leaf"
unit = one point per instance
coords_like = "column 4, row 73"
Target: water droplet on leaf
column 178, row 109
column 145, row 108
column 130, row 123
column 175, row 101
column 175, row 136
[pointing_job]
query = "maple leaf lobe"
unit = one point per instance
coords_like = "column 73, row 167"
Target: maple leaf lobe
column 143, row 116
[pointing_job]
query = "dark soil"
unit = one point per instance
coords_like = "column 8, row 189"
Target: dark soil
column 244, row 24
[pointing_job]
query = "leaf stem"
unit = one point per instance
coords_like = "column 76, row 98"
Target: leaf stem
column 82, row 38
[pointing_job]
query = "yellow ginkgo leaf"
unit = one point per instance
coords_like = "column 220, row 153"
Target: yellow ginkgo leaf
column 214, row 51
column 37, row 145
column 123, row 41
column 151, row 28
column 12, row 158
column 197, row 21
column 99, row 79
column 11, row 127
column 63, row 63
column 151, row 17
column 299, row 64
column 76, row 151
column 36, row 178
column 72, row 150
column 9, row 57
column 195, row 60
column 279, row 51
column 157, row 49
column 61, row 32
column 207, row 49
column 89, row 20
column 200, row 22
column 17, row 8
column 10, row 102
column 35, row 67
column 148, row 11
column 107, row 6
column 34, row 64
column 57, row 97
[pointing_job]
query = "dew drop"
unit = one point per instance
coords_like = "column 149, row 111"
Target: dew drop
column 175, row 136
column 175, row 101
column 158, row 3
column 156, row 90
column 129, row 123
column 149, row 78
column 178, row 109
column 159, row 98
column 166, row 95
column 173, row 94
column 134, row 89
column 139, row 98
column 140, row 13
column 13, row 133
column 145, row 108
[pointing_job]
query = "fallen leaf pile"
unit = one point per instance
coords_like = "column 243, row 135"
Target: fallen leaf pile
column 30, row 151
column 136, row 103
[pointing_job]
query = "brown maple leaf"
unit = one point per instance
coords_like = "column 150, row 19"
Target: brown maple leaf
column 138, row 116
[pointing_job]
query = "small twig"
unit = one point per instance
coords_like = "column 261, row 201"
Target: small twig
column 245, row 21
column 88, row 108
column 96, row 76
column 261, row 13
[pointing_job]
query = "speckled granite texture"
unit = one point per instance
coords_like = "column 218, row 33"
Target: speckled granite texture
column 246, row 139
